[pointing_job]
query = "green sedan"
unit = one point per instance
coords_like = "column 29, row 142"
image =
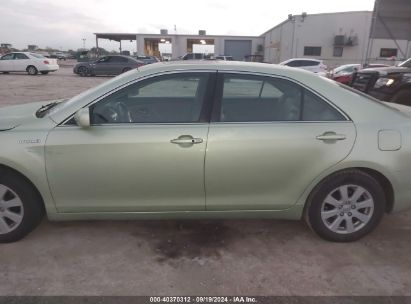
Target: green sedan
column 207, row 140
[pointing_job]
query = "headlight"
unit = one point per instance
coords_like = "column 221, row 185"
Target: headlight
column 381, row 82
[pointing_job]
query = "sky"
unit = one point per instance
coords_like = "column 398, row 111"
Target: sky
column 62, row 24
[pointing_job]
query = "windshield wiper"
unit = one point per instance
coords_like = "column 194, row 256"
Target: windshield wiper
column 43, row 110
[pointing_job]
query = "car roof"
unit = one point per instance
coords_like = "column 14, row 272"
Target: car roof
column 217, row 65
column 310, row 59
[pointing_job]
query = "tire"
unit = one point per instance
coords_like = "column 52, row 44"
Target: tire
column 329, row 215
column 83, row 71
column 32, row 70
column 125, row 70
column 22, row 202
column 402, row 97
column 6, row 72
column 44, row 72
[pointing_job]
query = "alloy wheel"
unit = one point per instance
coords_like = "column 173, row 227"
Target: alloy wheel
column 11, row 210
column 347, row 209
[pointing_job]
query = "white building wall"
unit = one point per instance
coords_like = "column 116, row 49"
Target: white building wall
column 288, row 39
column 179, row 43
column 378, row 44
column 319, row 30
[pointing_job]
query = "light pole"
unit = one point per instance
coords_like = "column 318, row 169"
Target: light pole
column 292, row 19
column 84, row 43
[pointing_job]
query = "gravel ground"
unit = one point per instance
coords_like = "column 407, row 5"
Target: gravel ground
column 237, row 257
column 21, row 88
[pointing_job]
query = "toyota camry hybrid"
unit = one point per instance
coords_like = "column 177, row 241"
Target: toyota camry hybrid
column 207, row 140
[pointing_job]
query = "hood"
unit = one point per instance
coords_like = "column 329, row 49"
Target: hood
column 14, row 116
column 387, row 70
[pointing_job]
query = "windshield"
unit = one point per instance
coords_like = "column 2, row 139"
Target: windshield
column 405, row 64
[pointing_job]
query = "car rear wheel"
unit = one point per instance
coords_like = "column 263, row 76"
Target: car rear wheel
column 82, row 71
column 21, row 208
column 345, row 206
column 126, row 70
column 31, row 70
column 402, row 97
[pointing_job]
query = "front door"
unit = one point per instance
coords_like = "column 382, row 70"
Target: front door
column 6, row 63
column 269, row 139
column 144, row 151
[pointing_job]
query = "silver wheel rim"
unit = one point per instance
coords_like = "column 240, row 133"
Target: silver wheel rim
column 83, row 71
column 347, row 209
column 11, row 210
column 32, row 70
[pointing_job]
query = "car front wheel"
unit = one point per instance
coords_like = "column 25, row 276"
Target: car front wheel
column 346, row 206
column 20, row 207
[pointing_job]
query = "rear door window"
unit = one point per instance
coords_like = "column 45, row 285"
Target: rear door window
column 251, row 98
column 20, row 56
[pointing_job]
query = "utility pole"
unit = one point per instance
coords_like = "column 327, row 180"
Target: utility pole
column 84, row 43
column 293, row 20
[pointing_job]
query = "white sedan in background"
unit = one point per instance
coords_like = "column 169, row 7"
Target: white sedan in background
column 31, row 63
column 313, row 65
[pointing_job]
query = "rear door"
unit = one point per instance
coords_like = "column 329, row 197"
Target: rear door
column 269, row 138
column 117, row 64
column 21, row 62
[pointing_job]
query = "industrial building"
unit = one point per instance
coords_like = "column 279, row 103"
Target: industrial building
column 381, row 35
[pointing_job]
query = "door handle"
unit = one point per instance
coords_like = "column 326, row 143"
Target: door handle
column 186, row 140
column 331, row 136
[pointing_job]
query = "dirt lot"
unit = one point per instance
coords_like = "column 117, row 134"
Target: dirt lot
column 22, row 88
column 253, row 257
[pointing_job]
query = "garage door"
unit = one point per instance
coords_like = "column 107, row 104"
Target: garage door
column 237, row 48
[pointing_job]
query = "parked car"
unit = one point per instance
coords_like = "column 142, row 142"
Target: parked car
column 226, row 58
column 147, row 59
column 344, row 73
column 31, row 63
column 392, row 84
column 154, row 143
column 107, row 65
column 59, row 55
column 312, row 65
column 195, row 56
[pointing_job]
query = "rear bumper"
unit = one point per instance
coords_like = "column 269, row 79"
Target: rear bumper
column 402, row 191
column 49, row 68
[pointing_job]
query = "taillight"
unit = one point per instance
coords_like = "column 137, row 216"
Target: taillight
column 46, row 62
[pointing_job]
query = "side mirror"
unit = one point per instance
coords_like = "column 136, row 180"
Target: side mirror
column 82, row 118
